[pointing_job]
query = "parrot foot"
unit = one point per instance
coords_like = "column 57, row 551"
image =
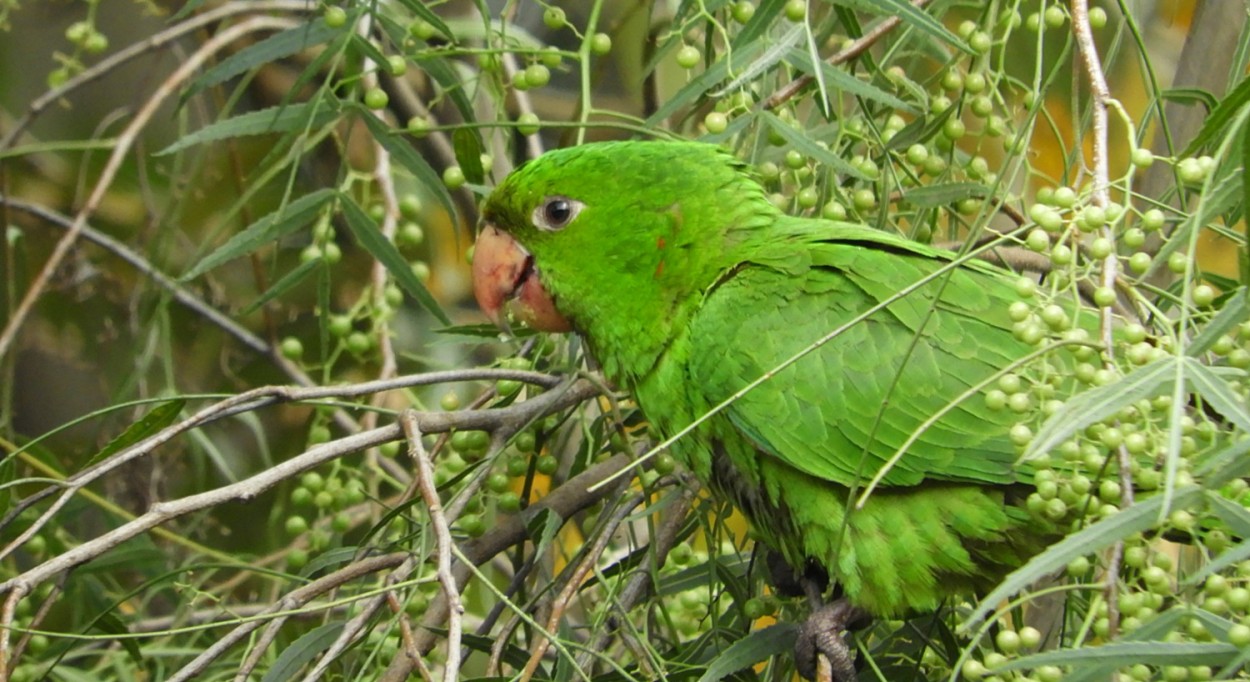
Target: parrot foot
column 821, row 635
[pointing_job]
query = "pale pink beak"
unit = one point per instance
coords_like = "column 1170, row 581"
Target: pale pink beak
column 506, row 283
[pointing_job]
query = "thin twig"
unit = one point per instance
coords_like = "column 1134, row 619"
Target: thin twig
column 1101, row 95
column 584, row 567
column 855, row 49
column 442, row 540
column 125, row 141
column 574, row 496
column 297, row 599
column 247, row 489
column 154, row 42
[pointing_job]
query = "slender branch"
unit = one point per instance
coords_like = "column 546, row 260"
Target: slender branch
column 855, row 49
column 249, row 488
column 578, row 493
column 125, row 141
column 155, row 42
column 442, row 539
column 296, row 599
column 562, row 601
column 1101, row 94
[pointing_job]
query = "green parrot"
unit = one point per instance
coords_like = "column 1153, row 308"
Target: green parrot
column 688, row 284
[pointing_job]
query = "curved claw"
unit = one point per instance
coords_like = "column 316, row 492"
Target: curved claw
column 821, row 635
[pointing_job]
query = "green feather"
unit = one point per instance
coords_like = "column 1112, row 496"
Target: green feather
column 688, row 285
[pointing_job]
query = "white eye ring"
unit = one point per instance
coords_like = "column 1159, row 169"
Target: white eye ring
column 555, row 213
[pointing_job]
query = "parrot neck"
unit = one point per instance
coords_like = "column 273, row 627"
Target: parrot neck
column 656, row 309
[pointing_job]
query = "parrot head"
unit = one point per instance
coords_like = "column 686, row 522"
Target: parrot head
column 612, row 239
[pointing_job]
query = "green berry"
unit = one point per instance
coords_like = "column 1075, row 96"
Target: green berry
column 291, row 348
column 796, row 10
column 419, row 126
column 376, row 98
column 743, row 10
column 527, row 123
column 453, row 177
column 335, row 17
column 553, row 17
column 688, row 56
column 600, row 44
column 1054, row 16
column 1097, row 17
column 716, row 122
column 537, row 75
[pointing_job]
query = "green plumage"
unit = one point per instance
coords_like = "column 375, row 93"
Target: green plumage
column 688, row 284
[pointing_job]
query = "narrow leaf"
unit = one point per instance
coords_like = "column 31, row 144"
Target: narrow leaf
column 845, row 82
column 156, row 419
column 1099, row 403
column 266, row 230
column 944, row 194
column 914, row 17
column 1235, row 311
column 1123, row 654
column 1104, row 533
column 1235, row 516
column 301, row 651
column 468, row 148
column 408, row 157
column 809, row 147
column 370, row 237
column 756, row 647
column 279, row 119
column 270, row 49
column 283, row 285
column 109, row 623
column 1222, row 114
column 1218, row 394
column 418, row 8
column 717, row 72
column 542, row 528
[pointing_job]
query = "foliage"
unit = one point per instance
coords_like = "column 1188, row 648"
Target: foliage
column 251, row 425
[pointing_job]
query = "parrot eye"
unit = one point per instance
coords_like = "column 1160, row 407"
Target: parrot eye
column 555, row 213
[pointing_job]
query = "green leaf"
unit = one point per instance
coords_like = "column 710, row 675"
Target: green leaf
column 1190, row 96
column 370, row 237
column 283, row 285
column 717, row 72
column 270, row 49
column 1123, row 654
column 919, row 130
column 1218, row 394
column 156, row 419
column 808, row 147
column 1234, row 312
column 845, row 82
column 912, row 16
column 767, row 60
column 758, row 646
column 1244, row 260
column 468, row 148
column 1104, row 533
column 1222, row 114
column 266, row 230
column 763, row 18
column 368, row 49
column 408, row 157
column 944, row 194
column 109, row 623
column 279, row 119
column 418, row 8
column 311, row 645
column 1099, row 403
column 1235, row 516
column 542, row 527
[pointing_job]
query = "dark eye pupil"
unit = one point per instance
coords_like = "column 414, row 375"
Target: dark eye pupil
column 558, row 211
